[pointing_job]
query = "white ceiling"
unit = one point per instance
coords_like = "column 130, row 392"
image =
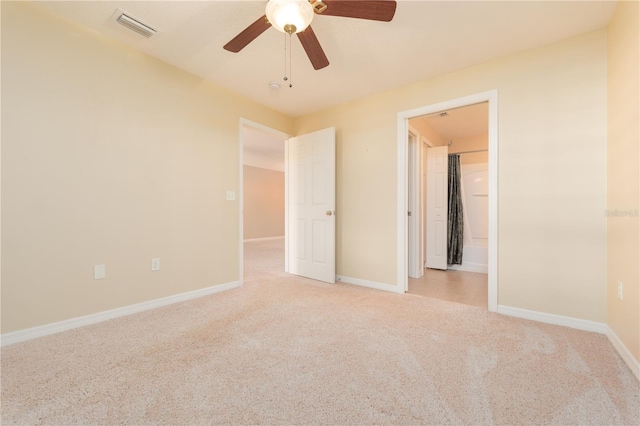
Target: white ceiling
column 425, row 38
column 460, row 123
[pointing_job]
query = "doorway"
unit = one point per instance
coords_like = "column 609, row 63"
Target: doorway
column 261, row 200
column 404, row 249
column 462, row 131
column 305, row 217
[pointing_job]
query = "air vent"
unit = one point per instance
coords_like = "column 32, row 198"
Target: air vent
column 135, row 25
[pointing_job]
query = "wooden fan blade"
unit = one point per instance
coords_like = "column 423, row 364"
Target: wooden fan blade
column 249, row 34
column 381, row 10
column 312, row 47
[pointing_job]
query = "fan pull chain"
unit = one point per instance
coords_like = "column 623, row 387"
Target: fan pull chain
column 290, row 65
column 285, row 58
column 289, row 79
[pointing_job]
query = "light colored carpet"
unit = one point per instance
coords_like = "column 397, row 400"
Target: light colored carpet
column 285, row 350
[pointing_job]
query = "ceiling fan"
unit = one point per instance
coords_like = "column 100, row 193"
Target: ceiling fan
column 294, row 17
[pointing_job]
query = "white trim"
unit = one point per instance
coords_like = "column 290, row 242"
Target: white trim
column 415, row 269
column 402, row 229
column 57, row 327
column 470, row 267
column 401, row 208
column 253, row 240
column 286, row 204
column 426, row 144
column 492, row 264
column 624, row 353
column 579, row 324
column 241, row 200
column 371, row 284
column 242, row 123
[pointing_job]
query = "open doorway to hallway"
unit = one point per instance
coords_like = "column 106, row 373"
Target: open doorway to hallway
column 263, row 201
column 287, row 189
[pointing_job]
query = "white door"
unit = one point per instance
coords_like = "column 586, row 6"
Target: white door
column 311, row 223
column 437, row 206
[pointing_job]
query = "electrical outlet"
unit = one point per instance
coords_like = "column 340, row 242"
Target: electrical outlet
column 155, row 264
column 620, row 289
column 99, row 272
column 231, row 195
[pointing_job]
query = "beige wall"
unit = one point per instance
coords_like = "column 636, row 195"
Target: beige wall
column 263, row 203
column 422, row 127
column 110, row 156
column 623, row 235
column 472, row 143
column 552, row 174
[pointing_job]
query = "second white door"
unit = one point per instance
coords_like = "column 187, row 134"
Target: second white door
column 437, row 206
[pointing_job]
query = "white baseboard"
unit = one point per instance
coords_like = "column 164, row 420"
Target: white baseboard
column 253, row 240
column 370, row 284
column 470, row 267
column 56, row 327
column 626, row 356
column 580, row 324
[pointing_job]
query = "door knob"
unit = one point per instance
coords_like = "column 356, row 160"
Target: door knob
column 328, row 213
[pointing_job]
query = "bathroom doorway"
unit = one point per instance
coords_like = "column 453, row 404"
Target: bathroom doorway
column 465, row 127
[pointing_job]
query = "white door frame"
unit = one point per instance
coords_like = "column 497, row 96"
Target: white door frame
column 401, row 212
column 426, row 144
column 416, row 267
column 240, row 196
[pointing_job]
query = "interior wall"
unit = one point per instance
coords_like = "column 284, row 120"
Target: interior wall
column 552, row 177
column 263, row 203
column 623, row 157
column 427, row 131
column 110, row 157
column 472, row 143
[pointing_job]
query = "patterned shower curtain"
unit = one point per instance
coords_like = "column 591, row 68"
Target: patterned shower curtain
column 455, row 228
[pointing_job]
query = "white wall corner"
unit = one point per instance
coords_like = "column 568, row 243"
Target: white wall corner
column 624, row 352
column 57, row 327
column 371, row 284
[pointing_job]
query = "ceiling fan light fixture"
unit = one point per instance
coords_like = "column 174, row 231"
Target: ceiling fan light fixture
column 289, row 16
